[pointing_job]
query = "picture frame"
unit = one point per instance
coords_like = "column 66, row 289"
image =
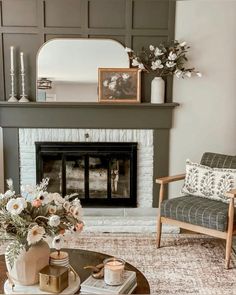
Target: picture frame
column 119, row 85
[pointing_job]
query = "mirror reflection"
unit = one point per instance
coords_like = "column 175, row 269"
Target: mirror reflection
column 67, row 69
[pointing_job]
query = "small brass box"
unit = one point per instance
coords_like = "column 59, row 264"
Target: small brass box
column 53, row 278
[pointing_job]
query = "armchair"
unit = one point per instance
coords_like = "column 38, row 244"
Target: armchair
column 198, row 214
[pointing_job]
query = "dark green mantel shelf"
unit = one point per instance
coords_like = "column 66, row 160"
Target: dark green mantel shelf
column 86, row 115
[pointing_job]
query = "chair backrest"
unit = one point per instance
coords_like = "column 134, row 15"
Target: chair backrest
column 214, row 160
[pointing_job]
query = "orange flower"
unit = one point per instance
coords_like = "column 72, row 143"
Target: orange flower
column 79, row 227
column 36, row 203
column 62, row 231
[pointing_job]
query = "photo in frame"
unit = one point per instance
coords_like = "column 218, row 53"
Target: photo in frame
column 119, row 85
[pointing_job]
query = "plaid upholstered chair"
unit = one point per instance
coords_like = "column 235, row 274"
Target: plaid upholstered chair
column 206, row 216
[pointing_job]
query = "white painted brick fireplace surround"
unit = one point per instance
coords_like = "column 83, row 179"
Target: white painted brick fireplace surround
column 102, row 219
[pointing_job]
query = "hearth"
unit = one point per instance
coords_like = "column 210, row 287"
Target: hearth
column 101, row 173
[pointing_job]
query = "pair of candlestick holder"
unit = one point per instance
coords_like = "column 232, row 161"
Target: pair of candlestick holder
column 23, row 96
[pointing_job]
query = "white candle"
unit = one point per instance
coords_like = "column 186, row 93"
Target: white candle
column 12, row 57
column 22, row 62
column 114, row 271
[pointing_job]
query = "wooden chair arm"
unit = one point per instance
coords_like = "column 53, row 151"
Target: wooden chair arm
column 168, row 179
column 231, row 193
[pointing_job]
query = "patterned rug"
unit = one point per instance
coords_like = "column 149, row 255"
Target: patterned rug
column 185, row 264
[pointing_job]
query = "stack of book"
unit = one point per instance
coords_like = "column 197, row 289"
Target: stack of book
column 95, row 286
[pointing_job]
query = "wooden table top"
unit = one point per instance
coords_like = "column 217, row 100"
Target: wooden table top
column 79, row 259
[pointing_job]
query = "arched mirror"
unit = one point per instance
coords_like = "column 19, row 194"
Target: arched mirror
column 67, row 69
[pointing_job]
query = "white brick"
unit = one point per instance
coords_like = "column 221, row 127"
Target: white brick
column 144, row 138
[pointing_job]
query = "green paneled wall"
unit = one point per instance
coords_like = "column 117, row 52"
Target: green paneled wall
column 27, row 24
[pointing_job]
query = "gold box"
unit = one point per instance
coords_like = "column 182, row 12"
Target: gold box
column 53, row 278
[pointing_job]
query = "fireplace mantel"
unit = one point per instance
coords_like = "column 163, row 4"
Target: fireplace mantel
column 86, row 115
column 157, row 117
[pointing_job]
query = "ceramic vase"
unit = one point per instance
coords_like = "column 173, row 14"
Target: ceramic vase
column 27, row 265
column 158, row 90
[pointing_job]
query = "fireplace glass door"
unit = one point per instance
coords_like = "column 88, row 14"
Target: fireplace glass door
column 101, row 174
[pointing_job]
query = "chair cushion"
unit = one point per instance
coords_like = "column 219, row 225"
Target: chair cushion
column 196, row 210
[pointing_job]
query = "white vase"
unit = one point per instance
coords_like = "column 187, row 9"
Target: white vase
column 157, row 90
column 27, row 265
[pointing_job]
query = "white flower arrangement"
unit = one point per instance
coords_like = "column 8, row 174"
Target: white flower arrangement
column 36, row 215
column 163, row 60
column 119, row 84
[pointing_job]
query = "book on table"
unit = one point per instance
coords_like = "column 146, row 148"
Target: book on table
column 98, row 286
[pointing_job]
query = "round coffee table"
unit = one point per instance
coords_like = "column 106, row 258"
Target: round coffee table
column 79, row 259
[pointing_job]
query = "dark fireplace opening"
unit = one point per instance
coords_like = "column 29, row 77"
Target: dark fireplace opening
column 102, row 174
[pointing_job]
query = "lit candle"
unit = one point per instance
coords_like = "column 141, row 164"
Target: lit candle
column 22, row 62
column 114, row 271
column 12, row 57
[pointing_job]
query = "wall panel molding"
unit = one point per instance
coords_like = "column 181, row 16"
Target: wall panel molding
column 39, row 20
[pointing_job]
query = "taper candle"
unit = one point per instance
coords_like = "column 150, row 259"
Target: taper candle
column 22, row 62
column 12, row 58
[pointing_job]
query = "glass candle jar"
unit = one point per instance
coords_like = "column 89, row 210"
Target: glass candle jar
column 114, row 271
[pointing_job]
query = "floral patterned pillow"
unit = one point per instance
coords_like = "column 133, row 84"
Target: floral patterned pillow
column 208, row 182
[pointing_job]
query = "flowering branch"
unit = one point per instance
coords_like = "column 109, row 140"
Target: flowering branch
column 164, row 60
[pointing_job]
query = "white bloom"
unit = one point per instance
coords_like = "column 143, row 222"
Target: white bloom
column 46, row 198
column 114, row 78
column 54, row 220
column 141, row 66
column 151, row 47
column 158, row 52
column 8, row 194
column 183, row 44
column 170, row 64
column 16, row 206
column 157, row 65
column 23, row 200
column 57, row 198
column 10, row 184
column 112, row 85
column 52, row 209
column 188, row 74
column 128, row 49
column 58, row 242
column 105, row 83
column 178, row 73
column 125, row 76
column 135, row 62
column 199, row 74
column 43, row 184
column 172, row 56
column 66, row 205
column 76, row 202
column 35, row 234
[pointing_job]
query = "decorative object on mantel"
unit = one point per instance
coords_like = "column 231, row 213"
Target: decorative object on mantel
column 119, row 85
column 162, row 61
column 44, row 83
column 28, row 219
column 12, row 74
column 22, row 71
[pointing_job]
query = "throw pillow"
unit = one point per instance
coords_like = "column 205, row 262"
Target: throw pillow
column 207, row 182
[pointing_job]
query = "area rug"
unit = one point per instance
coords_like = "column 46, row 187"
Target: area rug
column 185, row 264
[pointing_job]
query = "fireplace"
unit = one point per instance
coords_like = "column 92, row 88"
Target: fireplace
column 102, row 174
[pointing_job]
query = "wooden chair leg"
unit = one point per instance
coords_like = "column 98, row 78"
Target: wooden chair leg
column 229, row 233
column 228, row 251
column 159, row 227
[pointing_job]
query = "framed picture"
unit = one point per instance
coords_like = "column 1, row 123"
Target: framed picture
column 119, row 85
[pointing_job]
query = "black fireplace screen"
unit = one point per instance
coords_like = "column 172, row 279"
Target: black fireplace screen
column 102, row 174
